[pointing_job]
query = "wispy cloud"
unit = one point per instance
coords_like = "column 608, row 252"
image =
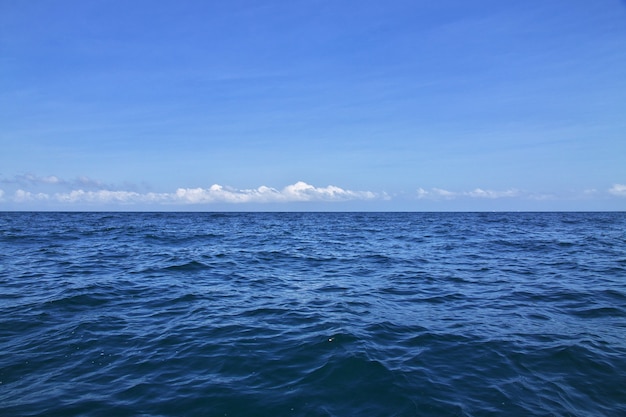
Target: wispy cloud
column 618, row 190
column 30, row 180
column 439, row 193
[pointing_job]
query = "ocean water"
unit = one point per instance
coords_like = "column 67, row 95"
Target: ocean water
column 313, row 314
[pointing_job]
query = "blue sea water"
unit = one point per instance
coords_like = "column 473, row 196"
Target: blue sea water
column 313, row 314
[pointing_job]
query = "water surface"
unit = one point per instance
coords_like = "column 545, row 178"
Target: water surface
column 312, row 314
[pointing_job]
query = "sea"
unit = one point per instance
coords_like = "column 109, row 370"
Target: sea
column 312, row 314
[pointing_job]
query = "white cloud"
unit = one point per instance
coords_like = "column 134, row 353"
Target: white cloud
column 618, row 190
column 542, row 197
column 302, row 191
column 50, row 179
column 101, row 196
column 21, row 196
column 434, row 193
column 87, row 190
column 299, row 191
column 1, row 194
column 439, row 193
column 53, row 180
column 34, row 179
column 108, row 196
column 422, row 193
column 480, row 193
column 218, row 193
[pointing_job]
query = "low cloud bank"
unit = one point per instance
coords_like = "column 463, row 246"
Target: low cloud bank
column 27, row 191
column 299, row 191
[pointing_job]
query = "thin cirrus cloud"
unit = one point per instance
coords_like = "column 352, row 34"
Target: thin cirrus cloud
column 439, row 193
column 32, row 180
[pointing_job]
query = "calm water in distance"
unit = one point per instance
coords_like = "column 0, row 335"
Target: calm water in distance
column 312, row 314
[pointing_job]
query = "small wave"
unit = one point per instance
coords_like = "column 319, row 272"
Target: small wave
column 188, row 266
column 599, row 312
column 312, row 314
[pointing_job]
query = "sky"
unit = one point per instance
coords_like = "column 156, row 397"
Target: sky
column 313, row 105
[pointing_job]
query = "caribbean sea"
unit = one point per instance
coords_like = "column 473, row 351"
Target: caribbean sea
column 312, row 314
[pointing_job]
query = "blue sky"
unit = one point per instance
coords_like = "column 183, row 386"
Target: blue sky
column 313, row 105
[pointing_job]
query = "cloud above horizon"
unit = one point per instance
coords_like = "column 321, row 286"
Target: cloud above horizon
column 28, row 190
column 618, row 190
column 439, row 193
column 32, row 180
column 298, row 192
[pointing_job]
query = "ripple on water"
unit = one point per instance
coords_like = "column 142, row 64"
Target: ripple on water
column 312, row 314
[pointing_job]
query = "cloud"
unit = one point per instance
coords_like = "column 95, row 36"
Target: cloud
column 218, row 193
column 618, row 190
column 30, row 180
column 300, row 191
column 439, row 193
column 435, row 193
column 480, row 193
column 50, row 179
column 105, row 196
column 21, row 196
column 87, row 190
column 542, row 197
column 88, row 182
